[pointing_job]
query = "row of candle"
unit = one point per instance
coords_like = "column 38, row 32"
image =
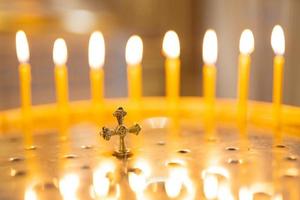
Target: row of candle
column 171, row 50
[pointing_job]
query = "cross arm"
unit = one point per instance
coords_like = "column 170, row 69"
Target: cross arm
column 135, row 129
column 106, row 133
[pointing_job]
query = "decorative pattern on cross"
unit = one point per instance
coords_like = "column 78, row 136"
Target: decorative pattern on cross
column 121, row 131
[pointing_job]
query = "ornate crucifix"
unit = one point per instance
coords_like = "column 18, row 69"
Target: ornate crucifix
column 121, row 131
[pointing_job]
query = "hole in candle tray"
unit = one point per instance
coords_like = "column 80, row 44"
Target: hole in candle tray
column 232, row 148
column 17, row 173
column 184, row 151
column 14, row 139
column 280, row 146
column 291, row 172
column 16, row 159
column 234, row 161
column 85, row 167
column 174, row 164
column 32, row 147
column 161, row 143
column 211, row 139
column 49, row 185
column 291, row 158
column 86, row 146
column 70, row 156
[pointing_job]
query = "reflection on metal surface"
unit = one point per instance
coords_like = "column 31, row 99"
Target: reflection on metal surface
column 154, row 172
column 157, row 122
column 224, row 192
column 68, row 186
column 215, row 170
column 102, row 178
column 30, row 194
column 210, row 186
column 178, row 180
column 245, row 194
column 138, row 178
column 79, row 21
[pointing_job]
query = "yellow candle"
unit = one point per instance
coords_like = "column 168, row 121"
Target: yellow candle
column 134, row 55
column 61, row 73
column 96, row 62
column 278, row 45
column 24, row 70
column 246, row 48
column 171, row 49
column 209, row 86
column 210, row 54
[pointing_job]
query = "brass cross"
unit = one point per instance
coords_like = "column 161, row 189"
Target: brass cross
column 121, row 131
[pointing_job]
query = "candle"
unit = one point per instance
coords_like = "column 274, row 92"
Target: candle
column 246, row 48
column 171, row 49
column 134, row 55
column 24, row 70
column 210, row 54
column 60, row 55
column 96, row 62
column 278, row 45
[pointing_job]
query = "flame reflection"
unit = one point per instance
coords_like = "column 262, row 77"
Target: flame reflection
column 30, row 194
column 68, row 186
column 102, row 178
column 138, row 178
column 177, row 180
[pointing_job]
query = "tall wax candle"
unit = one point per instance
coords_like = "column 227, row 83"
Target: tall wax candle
column 60, row 55
column 278, row 45
column 96, row 62
column 24, row 70
column 210, row 54
column 171, row 50
column 134, row 55
column 246, row 48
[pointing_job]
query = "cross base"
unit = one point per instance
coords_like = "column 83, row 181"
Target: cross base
column 122, row 154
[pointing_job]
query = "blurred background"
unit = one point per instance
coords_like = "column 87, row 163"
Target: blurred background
column 74, row 20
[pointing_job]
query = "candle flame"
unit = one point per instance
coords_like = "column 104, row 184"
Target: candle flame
column 171, row 46
column 134, row 50
column 210, row 47
column 277, row 40
column 247, row 42
column 22, row 47
column 96, row 50
column 60, row 52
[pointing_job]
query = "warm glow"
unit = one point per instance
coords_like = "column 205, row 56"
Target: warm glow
column 157, row 122
column 224, row 192
column 100, row 185
column 30, row 194
column 171, row 46
column 96, row 50
column 60, row 52
column 210, row 186
column 277, row 40
column 245, row 194
column 173, row 186
column 210, row 47
column 68, row 186
column 22, row 47
column 134, row 50
column 138, row 180
column 101, row 178
column 215, row 170
column 247, row 42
